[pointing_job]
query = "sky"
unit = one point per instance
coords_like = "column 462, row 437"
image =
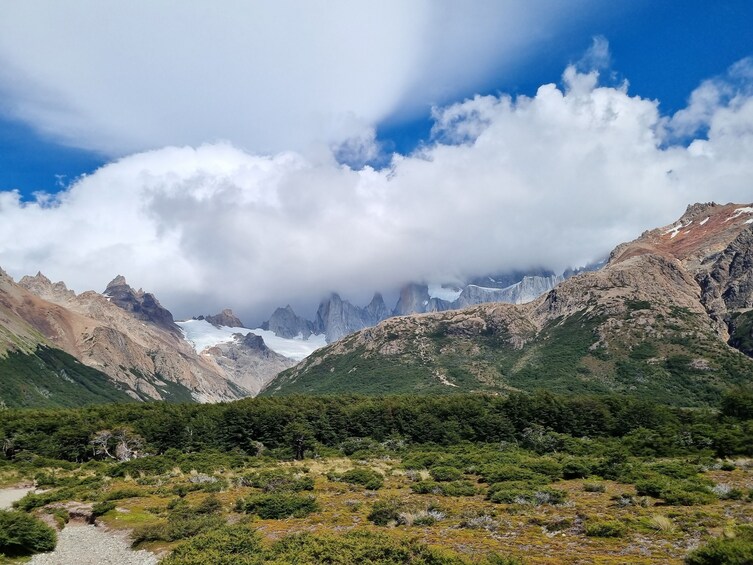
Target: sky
column 251, row 155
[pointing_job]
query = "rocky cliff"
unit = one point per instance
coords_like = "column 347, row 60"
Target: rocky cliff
column 284, row 322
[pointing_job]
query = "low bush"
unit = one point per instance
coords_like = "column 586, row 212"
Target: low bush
column 594, row 487
column 501, row 473
column 724, row 551
column 384, row 511
column 367, row 478
column 21, row 534
column 444, row 473
column 277, row 506
column 576, row 468
column 121, row 494
column 101, row 508
column 606, row 529
column 183, row 521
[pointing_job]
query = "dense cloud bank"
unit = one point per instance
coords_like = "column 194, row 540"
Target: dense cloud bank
column 554, row 180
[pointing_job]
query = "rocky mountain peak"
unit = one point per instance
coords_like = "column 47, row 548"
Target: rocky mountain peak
column 43, row 287
column 225, row 318
column 143, row 305
column 284, row 322
column 118, row 281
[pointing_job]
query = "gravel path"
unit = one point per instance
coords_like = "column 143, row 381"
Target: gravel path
column 89, row 545
column 9, row 495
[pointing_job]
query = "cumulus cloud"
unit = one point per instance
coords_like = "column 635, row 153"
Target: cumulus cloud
column 553, row 180
column 267, row 76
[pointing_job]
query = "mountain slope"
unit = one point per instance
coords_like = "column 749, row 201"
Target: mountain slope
column 128, row 337
column 655, row 321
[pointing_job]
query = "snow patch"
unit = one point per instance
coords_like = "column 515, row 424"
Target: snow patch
column 739, row 212
column 202, row 335
column 449, row 294
column 676, row 229
column 706, row 219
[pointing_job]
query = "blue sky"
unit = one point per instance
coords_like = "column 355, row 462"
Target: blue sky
column 213, row 156
column 665, row 49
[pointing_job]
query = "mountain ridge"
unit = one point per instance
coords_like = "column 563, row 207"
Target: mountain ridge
column 655, row 320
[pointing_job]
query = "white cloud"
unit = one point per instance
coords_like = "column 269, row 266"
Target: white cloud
column 553, row 180
column 266, row 76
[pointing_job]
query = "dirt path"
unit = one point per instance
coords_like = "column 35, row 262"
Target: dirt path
column 9, row 495
column 89, row 545
column 80, row 544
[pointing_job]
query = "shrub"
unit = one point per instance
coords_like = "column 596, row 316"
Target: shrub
column 368, row 478
column 675, row 469
column 576, row 469
column 724, row 551
column 277, row 506
column 278, row 481
column 606, row 529
column 445, row 473
column 727, row 492
column 594, row 487
column 101, row 508
column 227, row 545
column 427, row 517
column 183, row 521
column 680, row 497
column 545, row 466
column 384, row 511
column 121, row 494
column 21, row 534
column 458, row 488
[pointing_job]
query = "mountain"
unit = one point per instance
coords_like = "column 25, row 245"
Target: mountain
column 285, row 323
column 225, row 318
column 336, row 318
column 142, row 305
column 670, row 316
column 249, row 362
column 128, row 340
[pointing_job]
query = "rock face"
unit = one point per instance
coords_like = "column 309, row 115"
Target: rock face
column 414, row 298
column 225, row 318
column 285, row 323
column 654, row 322
column 249, row 362
column 337, row 318
column 521, row 292
column 143, row 305
column 126, row 335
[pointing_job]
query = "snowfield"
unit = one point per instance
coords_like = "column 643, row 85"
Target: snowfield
column 444, row 293
column 201, row 334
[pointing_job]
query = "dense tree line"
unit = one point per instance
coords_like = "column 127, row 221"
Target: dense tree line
column 300, row 423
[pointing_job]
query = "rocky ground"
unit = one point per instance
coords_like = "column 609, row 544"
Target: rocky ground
column 81, row 544
column 91, row 545
column 9, row 495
